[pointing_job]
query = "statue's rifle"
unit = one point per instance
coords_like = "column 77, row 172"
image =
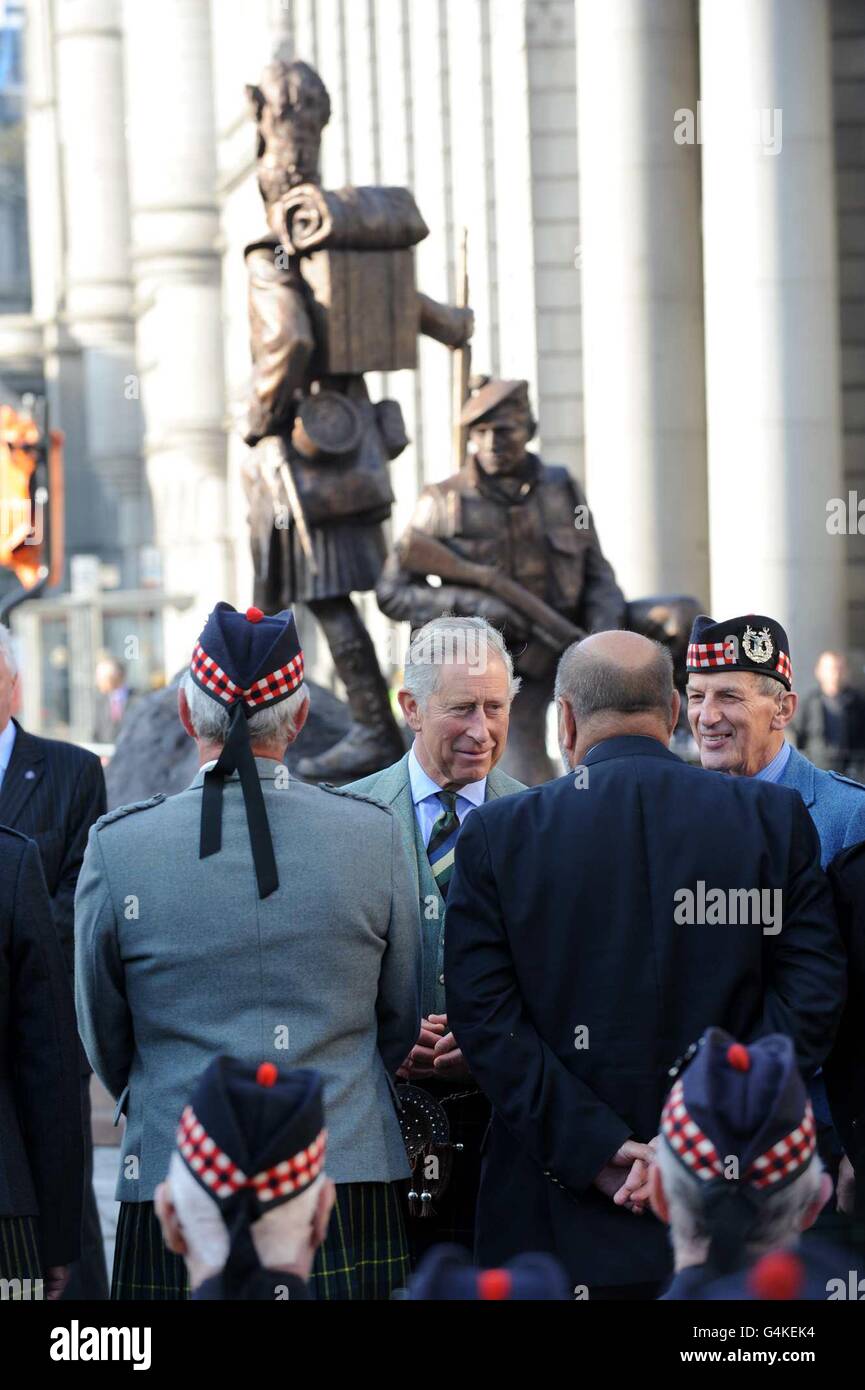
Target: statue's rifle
column 462, row 360
column 423, row 554
column 282, row 470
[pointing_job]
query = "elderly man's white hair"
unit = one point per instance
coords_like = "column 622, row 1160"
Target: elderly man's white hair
column 7, row 650
column 451, row 641
column 211, row 720
column 777, row 1225
column 280, row 1236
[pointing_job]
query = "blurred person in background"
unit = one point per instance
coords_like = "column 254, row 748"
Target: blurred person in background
column 830, row 726
column 112, row 698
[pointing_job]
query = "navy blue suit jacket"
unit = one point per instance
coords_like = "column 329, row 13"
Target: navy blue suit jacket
column 53, row 792
column 560, row 917
column 41, row 1140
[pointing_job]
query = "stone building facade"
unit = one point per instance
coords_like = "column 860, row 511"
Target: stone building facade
column 690, row 312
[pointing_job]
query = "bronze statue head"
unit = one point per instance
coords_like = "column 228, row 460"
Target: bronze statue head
column 500, row 424
column 292, row 108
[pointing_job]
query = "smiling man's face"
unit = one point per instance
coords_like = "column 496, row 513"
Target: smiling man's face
column 738, row 727
column 461, row 732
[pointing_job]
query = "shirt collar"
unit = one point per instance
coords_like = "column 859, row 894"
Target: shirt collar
column 423, row 786
column 7, row 743
column 774, row 771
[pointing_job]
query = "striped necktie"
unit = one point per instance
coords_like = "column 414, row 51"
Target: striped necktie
column 443, row 840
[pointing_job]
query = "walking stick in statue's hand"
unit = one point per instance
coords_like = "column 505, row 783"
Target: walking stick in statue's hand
column 462, row 361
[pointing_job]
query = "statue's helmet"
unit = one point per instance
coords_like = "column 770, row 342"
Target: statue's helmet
column 292, row 107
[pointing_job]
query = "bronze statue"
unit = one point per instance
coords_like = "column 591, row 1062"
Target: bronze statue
column 332, row 295
column 513, row 541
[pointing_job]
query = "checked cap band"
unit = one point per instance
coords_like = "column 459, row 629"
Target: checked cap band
column 246, row 662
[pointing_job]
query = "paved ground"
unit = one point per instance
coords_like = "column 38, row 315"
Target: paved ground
column 106, row 1162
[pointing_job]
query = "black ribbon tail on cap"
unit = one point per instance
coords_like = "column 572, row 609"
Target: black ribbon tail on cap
column 730, row 1212
column 236, row 756
column 242, row 1267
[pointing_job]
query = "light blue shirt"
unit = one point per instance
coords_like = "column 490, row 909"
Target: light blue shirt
column 425, row 795
column 774, row 771
column 7, row 743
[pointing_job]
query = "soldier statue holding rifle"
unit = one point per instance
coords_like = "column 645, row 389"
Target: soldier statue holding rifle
column 332, row 295
column 512, row 541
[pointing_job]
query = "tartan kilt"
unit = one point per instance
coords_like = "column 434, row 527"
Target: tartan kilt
column 364, row 1255
column 19, row 1248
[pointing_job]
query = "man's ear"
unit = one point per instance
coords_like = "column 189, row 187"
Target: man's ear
column 411, row 710
column 300, row 719
column 813, row 1211
column 675, row 710
column 786, row 710
column 567, row 726
column 657, row 1195
column 183, row 712
column 323, row 1209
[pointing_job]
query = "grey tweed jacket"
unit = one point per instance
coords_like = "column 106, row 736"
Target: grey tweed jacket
column 392, row 787
column 178, row 959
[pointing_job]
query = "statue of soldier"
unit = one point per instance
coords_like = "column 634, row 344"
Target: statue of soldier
column 318, row 484
column 517, row 531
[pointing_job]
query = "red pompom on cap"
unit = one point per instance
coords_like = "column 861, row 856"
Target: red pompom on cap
column 779, row 1276
column 266, row 1074
column 494, row 1285
column 254, row 615
column 737, row 1056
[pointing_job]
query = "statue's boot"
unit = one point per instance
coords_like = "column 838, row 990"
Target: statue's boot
column 373, row 741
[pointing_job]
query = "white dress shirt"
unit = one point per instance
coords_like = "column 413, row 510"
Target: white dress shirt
column 424, row 794
column 7, row 743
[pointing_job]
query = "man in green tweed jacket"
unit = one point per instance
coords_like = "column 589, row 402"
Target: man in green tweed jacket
column 458, row 689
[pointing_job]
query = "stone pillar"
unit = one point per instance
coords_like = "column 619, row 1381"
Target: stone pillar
column 642, row 292
column 89, row 330
column 773, row 391
column 176, row 268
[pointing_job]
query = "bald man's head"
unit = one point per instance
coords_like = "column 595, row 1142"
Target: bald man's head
column 614, row 683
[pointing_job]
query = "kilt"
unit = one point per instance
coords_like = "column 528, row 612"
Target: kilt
column 364, row 1255
column 144, row 1268
column 349, row 556
column 19, row 1248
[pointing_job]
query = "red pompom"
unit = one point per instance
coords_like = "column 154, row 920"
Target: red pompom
column 254, row 615
column 266, row 1074
column 779, row 1276
column 494, row 1285
column 737, row 1056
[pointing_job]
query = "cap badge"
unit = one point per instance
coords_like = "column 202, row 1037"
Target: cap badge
column 758, row 645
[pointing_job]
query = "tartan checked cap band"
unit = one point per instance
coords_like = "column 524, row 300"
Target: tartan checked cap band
column 255, row 1132
column 747, row 1103
column 248, row 658
column 750, row 643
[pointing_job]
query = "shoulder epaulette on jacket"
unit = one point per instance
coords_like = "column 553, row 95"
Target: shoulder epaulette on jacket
column 851, row 781
column 354, row 796
column 120, row 811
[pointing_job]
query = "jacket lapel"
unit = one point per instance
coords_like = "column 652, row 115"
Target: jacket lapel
column 23, row 775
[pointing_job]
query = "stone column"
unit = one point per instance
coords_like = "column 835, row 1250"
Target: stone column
column 176, row 268
column 773, row 390
column 87, row 298
column 642, row 292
